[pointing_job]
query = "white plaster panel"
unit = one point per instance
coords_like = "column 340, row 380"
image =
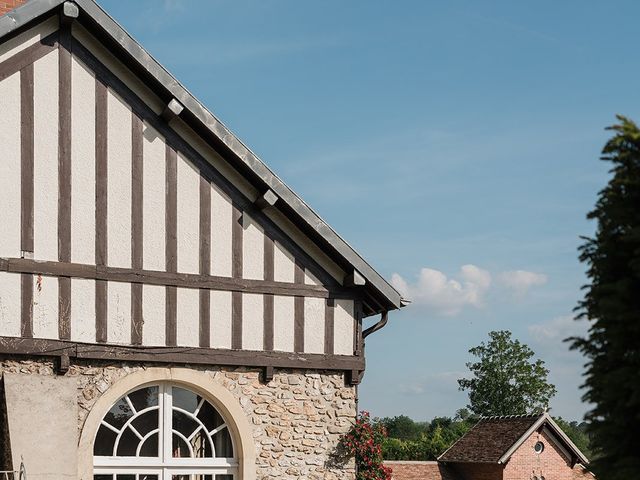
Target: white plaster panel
column 45, row 162
column 283, row 323
column 153, row 200
column 153, row 315
column 188, row 217
column 83, row 166
column 314, row 325
column 310, row 278
column 83, row 310
column 252, row 249
column 188, row 317
column 119, row 182
column 28, row 38
column 220, row 326
column 42, row 414
column 252, row 321
column 45, row 307
column 221, row 218
column 10, row 166
column 283, row 265
column 119, row 312
column 343, row 327
column 9, row 304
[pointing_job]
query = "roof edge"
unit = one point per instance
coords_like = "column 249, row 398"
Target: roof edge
column 248, row 160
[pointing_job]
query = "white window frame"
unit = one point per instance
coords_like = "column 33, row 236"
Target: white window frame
column 165, row 466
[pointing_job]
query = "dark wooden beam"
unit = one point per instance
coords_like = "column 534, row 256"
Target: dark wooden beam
column 181, row 355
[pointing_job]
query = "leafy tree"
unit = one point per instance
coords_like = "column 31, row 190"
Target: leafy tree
column 505, row 381
column 403, row 428
column 612, row 305
column 577, row 432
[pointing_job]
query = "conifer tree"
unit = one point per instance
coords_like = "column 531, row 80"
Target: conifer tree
column 612, row 305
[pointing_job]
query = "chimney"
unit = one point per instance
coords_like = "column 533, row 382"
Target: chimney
column 8, row 5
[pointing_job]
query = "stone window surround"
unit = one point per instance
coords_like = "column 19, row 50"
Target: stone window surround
column 198, row 382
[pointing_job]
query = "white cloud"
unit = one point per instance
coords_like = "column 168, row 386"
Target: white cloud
column 521, row 281
column 447, row 296
column 557, row 330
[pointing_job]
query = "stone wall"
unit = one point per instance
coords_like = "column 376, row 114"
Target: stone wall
column 297, row 418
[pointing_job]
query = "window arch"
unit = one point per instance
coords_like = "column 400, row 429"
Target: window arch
column 164, row 431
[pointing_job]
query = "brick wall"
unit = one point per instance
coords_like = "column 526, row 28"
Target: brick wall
column 8, row 5
column 552, row 463
column 408, row 470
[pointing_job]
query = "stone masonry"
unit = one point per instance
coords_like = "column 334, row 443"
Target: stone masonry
column 297, row 418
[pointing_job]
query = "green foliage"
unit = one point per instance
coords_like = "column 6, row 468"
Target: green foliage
column 364, row 442
column 612, row 305
column 577, row 432
column 505, row 381
column 426, row 441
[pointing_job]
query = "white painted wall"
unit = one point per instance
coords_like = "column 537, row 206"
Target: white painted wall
column 10, row 166
column 252, row 249
column 188, row 317
column 252, row 321
column 221, row 215
column 83, row 165
column 83, row 310
column 153, row 200
column 314, row 325
column 9, row 304
column 343, row 327
column 153, row 315
column 119, row 313
column 283, row 265
column 220, row 325
column 188, row 217
column 45, row 162
column 119, row 182
column 283, row 323
column 45, row 307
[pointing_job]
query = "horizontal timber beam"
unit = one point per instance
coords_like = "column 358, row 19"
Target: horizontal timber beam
column 190, row 355
column 183, row 280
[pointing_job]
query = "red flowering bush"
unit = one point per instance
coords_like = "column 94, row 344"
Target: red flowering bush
column 364, row 442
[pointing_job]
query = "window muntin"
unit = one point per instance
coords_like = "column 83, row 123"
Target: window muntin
column 164, row 432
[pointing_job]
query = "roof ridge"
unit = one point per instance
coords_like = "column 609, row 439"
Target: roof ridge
column 508, row 417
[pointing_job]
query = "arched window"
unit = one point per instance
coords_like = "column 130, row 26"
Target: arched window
column 164, row 432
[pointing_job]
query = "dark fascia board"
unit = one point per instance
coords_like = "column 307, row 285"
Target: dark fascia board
column 242, row 158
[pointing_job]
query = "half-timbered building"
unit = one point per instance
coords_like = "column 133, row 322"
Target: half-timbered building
column 169, row 308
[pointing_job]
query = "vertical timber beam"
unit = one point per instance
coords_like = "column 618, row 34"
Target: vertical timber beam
column 205, row 259
column 236, row 272
column 101, row 250
column 137, row 231
column 171, row 252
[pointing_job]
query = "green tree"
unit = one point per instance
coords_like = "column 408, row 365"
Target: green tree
column 612, row 305
column 403, row 427
column 577, row 432
column 505, row 381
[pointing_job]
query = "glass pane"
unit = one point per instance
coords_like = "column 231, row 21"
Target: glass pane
column 146, row 422
column 184, row 424
column 126, row 477
column 103, row 445
column 185, row 399
column 150, row 447
column 144, row 476
column 222, row 444
column 144, row 398
column 103, row 477
column 119, row 414
column 210, row 416
column 128, row 444
column 224, row 477
column 180, row 448
column 201, row 445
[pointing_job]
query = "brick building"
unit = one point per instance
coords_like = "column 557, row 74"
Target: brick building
column 169, row 308
column 529, row 447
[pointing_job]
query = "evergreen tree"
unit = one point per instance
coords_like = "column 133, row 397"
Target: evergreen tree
column 612, row 305
column 505, row 381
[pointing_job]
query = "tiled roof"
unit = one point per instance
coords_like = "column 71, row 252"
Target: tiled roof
column 405, row 470
column 489, row 439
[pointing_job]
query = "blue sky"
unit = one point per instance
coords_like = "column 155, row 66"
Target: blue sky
column 454, row 144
